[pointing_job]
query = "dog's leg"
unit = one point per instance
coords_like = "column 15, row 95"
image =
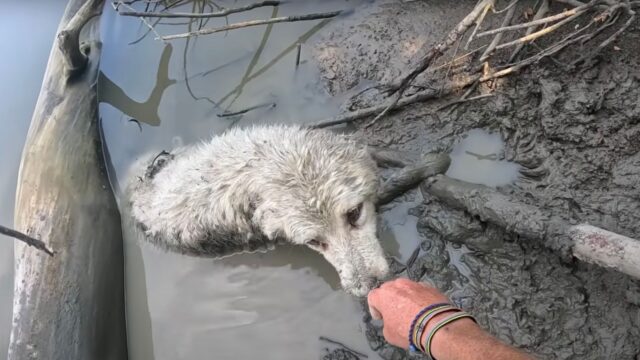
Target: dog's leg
column 411, row 175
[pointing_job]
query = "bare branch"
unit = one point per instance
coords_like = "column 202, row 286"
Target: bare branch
column 496, row 40
column 416, row 98
column 220, row 13
column 26, row 239
column 542, row 21
column 487, row 7
column 434, row 53
column 542, row 10
column 253, row 23
column 528, row 38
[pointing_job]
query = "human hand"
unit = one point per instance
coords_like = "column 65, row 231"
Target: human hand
column 397, row 303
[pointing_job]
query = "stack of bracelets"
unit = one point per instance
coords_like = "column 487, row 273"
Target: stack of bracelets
column 419, row 325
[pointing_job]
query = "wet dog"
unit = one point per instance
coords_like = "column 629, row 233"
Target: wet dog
column 253, row 188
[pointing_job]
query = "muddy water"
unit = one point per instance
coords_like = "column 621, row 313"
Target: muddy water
column 23, row 62
column 479, row 158
column 157, row 95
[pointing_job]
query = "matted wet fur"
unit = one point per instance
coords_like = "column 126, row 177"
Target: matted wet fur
column 253, row 188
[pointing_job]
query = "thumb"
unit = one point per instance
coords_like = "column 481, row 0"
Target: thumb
column 375, row 314
column 371, row 301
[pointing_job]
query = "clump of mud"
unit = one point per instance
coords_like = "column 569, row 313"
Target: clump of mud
column 575, row 134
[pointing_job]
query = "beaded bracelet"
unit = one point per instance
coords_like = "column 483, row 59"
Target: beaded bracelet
column 412, row 345
column 428, row 316
column 440, row 325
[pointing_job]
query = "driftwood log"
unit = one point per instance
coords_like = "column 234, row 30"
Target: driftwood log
column 71, row 305
column 585, row 242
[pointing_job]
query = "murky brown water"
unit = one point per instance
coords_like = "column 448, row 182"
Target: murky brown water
column 21, row 70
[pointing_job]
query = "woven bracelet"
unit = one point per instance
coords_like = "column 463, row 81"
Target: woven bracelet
column 422, row 323
column 412, row 345
column 440, row 325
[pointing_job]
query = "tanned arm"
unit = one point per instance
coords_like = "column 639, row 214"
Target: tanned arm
column 398, row 302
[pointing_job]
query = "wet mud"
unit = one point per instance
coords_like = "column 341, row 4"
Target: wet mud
column 575, row 135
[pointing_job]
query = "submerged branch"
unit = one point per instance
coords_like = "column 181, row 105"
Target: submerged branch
column 245, row 24
column 220, row 13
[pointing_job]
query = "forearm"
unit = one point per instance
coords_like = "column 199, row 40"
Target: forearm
column 464, row 340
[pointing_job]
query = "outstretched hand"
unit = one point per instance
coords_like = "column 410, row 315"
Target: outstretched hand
column 397, row 302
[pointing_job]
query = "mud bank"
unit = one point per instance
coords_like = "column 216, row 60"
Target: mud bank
column 576, row 136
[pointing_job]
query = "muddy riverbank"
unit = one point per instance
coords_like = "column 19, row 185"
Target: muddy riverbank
column 574, row 133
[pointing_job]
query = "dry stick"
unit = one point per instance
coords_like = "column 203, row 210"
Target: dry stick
column 496, row 39
column 432, row 94
column 26, row 239
column 542, row 21
column 528, row 38
column 551, row 50
column 254, row 23
column 511, row 5
column 299, row 50
column 434, row 53
column 608, row 41
column 542, row 10
column 145, row 22
column 243, row 111
column 487, row 7
column 221, row 13
column 415, row 98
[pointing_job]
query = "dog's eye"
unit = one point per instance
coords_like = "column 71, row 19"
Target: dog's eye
column 354, row 214
column 317, row 244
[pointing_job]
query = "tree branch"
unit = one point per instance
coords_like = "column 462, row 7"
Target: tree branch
column 26, row 239
column 220, row 13
column 253, row 23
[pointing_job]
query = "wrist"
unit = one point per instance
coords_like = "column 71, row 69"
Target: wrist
column 450, row 337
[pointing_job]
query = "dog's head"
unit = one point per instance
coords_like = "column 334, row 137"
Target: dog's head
column 323, row 195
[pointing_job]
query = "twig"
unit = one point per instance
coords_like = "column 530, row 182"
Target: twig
column 220, row 13
column 510, row 6
column 244, row 111
column 460, row 101
column 412, row 259
column 334, row 342
column 542, row 21
column 496, row 39
column 528, row 38
column 542, row 10
column 415, row 98
column 489, row 5
column 610, row 39
column 434, row 53
column 145, row 22
column 26, row 239
column 253, row 23
column 299, row 50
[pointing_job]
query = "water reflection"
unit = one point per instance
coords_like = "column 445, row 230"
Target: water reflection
column 146, row 111
column 272, row 305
